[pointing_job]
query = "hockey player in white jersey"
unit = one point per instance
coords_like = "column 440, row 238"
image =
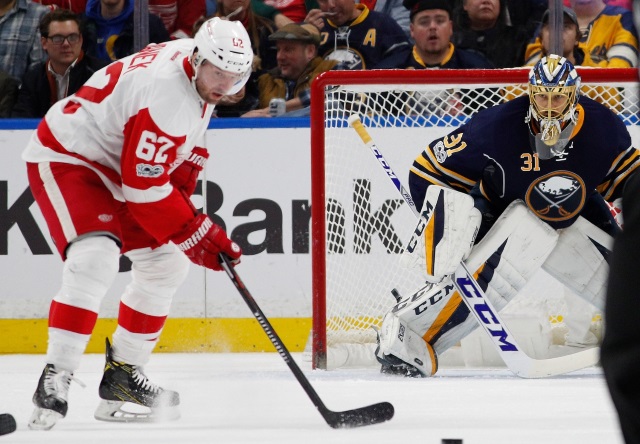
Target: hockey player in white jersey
column 112, row 168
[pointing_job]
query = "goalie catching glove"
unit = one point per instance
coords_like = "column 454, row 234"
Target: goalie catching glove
column 444, row 235
column 203, row 241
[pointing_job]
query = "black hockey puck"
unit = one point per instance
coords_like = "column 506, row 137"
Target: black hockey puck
column 7, row 424
column 451, row 441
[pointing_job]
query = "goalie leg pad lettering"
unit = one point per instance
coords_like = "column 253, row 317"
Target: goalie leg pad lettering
column 444, row 234
column 579, row 261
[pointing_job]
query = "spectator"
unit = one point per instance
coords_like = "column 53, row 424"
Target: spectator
column 356, row 37
column 20, row 47
column 258, row 28
column 8, row 93
column 484, row 26
column 393, row 8
column 607, row 32
column 178, row 16
column 431, row 29
column 65, row 71
column 572, row 50
column 109, row 29
column 298, row 66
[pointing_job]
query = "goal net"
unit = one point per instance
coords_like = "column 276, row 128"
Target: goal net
column 360, row 223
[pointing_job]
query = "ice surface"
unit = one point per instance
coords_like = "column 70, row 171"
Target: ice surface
column 254, row 398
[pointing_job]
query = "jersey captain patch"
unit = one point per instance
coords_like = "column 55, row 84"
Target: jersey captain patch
column 557, row 196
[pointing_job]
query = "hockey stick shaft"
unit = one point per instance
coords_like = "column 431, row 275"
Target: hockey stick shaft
column 372, row 414
column 479, row 304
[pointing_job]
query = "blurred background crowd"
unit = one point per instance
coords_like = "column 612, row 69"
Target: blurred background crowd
column 50, row 48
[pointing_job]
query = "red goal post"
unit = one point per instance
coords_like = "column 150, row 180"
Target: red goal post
column 359, row 223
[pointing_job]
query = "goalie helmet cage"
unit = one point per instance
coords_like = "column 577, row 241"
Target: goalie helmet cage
column 359, row 223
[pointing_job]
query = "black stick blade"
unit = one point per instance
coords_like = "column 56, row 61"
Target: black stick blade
column 7, row 424
column 364, row 416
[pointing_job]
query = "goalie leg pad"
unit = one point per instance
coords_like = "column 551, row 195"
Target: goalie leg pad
column 579, row 261
column 512, row 251
column 505, row 260
column 445, row 233
column 402, row 350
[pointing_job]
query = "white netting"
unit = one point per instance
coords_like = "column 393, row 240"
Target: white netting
column 367, row 222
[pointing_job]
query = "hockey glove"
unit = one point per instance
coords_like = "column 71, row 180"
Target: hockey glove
column 202, row 241
column 185, row 177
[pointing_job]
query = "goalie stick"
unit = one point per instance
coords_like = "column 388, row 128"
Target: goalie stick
column 372, row 414
column 481, row 307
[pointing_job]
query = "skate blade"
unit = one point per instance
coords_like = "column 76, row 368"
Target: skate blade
column 43, row 419
column 120, row 411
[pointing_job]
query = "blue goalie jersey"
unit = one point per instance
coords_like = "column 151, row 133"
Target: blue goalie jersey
column 491, row 156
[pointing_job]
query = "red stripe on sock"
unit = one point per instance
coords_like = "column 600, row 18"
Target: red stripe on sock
column 137, row 322
column 70, row 318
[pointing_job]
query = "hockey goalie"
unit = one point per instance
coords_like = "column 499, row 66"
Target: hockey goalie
column 520, row 187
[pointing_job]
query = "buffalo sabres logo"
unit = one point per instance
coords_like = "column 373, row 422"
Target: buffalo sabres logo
column 347, row 58
column 557, row 196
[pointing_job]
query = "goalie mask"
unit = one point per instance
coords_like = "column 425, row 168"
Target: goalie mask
column 226, row 45
column 553, row 95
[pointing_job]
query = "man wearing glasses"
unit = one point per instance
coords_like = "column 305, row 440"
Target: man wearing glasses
column 64, row 73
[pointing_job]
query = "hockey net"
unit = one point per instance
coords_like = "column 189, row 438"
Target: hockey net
column 360, row 223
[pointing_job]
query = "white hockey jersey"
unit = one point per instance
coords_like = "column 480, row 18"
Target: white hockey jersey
column 133, row 122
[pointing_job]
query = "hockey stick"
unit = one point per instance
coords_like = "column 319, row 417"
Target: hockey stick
column 474, row 297
column 372, row 414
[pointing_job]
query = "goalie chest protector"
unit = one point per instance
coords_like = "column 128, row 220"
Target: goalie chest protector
column 493, row 151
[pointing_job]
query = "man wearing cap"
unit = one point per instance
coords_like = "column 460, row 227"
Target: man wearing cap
column 431, row 29
column 298, row 64
column 355, row 36
column 572, row 49
column 607, row 33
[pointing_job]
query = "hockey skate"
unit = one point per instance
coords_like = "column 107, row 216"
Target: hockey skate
column 50, row 398
column 128, row 395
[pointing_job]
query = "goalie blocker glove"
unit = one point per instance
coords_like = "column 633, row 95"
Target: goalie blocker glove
column 202, row 241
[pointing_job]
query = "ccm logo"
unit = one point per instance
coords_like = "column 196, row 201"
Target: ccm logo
column 467, row 287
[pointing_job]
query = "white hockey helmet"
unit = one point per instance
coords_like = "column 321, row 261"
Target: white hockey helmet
column 226, row 45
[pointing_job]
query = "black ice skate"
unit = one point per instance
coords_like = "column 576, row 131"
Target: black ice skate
column 50, row 397
column 128, row 395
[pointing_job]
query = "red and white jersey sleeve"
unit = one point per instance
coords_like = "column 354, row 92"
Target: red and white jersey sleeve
column 133, row 122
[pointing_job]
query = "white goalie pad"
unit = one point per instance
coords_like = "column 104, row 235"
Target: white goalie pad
column 399, row 340
column 579, row 261
column 445, row 233
column 504, row 261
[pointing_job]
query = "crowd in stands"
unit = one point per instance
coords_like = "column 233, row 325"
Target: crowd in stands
column 50, row 47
